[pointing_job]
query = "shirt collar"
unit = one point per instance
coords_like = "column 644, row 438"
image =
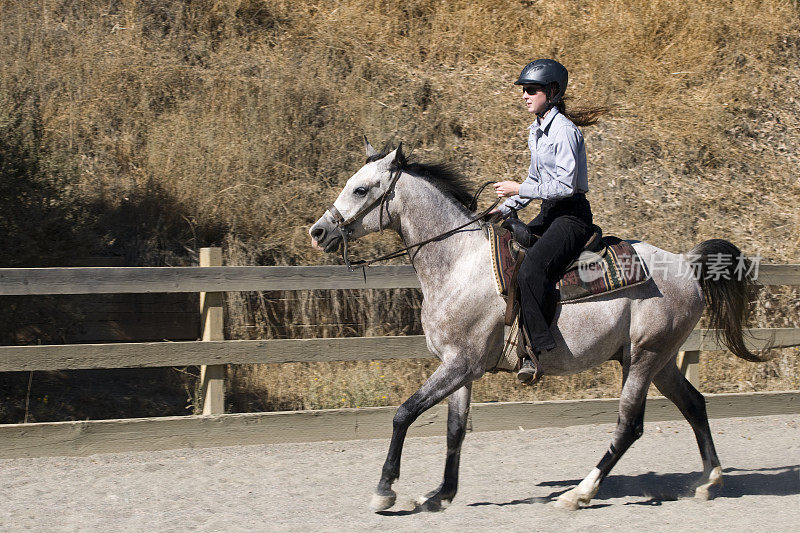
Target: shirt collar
column 547, row 120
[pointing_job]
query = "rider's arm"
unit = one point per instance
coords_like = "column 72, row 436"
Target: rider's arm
column 517, row 201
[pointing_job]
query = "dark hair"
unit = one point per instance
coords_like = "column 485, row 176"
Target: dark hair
column 583, row 116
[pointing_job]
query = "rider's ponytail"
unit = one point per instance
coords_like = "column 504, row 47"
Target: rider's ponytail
column 582, row 116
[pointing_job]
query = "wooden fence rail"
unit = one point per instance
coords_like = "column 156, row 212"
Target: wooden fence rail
column 155, row 354
column 101, row 280
column 213, row 352
column 170, row 432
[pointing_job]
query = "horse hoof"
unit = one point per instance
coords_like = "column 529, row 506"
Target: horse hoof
column 567, row 504
column 380, row 502
column 703, row 491
column 431, row 504
column 573, row 499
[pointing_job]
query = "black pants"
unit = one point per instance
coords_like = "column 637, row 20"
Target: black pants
column 564, row 226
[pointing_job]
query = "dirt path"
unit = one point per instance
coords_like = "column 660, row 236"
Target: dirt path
column 326, row 486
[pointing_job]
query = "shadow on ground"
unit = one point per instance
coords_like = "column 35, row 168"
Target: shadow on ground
column 658, row 488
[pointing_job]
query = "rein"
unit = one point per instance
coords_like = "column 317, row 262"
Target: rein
column 341, row 222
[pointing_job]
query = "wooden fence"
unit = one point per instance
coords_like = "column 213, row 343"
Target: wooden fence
column 213, row 353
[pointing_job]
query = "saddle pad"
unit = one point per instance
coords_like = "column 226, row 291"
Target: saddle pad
column 502, row 257
column 618, row 269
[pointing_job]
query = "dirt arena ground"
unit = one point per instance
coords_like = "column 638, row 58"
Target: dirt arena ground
column 326, row 486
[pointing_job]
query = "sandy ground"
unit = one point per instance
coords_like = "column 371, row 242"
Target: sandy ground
column 326, row 486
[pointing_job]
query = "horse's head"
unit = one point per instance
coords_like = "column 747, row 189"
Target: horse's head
column 361, row 207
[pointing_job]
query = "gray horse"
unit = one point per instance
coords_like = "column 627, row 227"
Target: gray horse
column 642, row 327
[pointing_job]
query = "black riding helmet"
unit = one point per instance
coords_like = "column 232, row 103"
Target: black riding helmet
column 544, row 72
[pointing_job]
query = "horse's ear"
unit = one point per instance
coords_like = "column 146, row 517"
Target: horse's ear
column 369, row 149
column 389, row 159
column 399, row 155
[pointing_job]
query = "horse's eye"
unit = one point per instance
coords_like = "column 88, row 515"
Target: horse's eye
column 360, row 191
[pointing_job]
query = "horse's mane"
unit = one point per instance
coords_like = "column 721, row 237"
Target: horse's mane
column 443, row 175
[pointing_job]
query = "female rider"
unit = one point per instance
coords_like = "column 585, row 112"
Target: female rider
column 558, row 176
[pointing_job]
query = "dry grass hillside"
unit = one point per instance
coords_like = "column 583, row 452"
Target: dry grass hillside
column 147, row 129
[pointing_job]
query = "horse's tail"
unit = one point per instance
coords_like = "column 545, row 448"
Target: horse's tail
column 728, row 284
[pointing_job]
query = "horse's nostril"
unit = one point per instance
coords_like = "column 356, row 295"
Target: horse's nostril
column 318, row 233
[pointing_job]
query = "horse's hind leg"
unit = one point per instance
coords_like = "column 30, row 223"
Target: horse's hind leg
column 630, row 426
column 457, row 413
column 691, row 404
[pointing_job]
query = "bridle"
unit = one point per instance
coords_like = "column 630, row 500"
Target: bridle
column 342, row 224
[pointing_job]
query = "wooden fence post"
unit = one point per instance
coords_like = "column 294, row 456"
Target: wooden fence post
column 689, row 363
column 212, row 377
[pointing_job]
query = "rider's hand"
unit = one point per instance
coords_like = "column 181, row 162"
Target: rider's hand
column 495, row 215
column 506, row 188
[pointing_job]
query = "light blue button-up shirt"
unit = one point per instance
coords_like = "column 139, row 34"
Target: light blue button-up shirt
column 558, row 162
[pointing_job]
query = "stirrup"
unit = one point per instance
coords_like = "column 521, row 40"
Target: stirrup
column 530, row 371
column 527, row 373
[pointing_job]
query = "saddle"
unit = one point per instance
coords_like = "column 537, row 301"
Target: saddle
column 593, row 250
column 606, row 264
column 519, row 238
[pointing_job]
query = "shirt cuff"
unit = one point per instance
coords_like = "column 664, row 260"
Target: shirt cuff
column 514, row 202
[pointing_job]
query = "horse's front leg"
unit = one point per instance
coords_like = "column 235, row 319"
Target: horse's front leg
column 448, row 378
column 457, row 414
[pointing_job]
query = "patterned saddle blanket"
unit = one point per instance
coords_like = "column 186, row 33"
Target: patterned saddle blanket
column 620, row 267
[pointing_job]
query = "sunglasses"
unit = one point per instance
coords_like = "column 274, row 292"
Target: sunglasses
column 532, row 89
